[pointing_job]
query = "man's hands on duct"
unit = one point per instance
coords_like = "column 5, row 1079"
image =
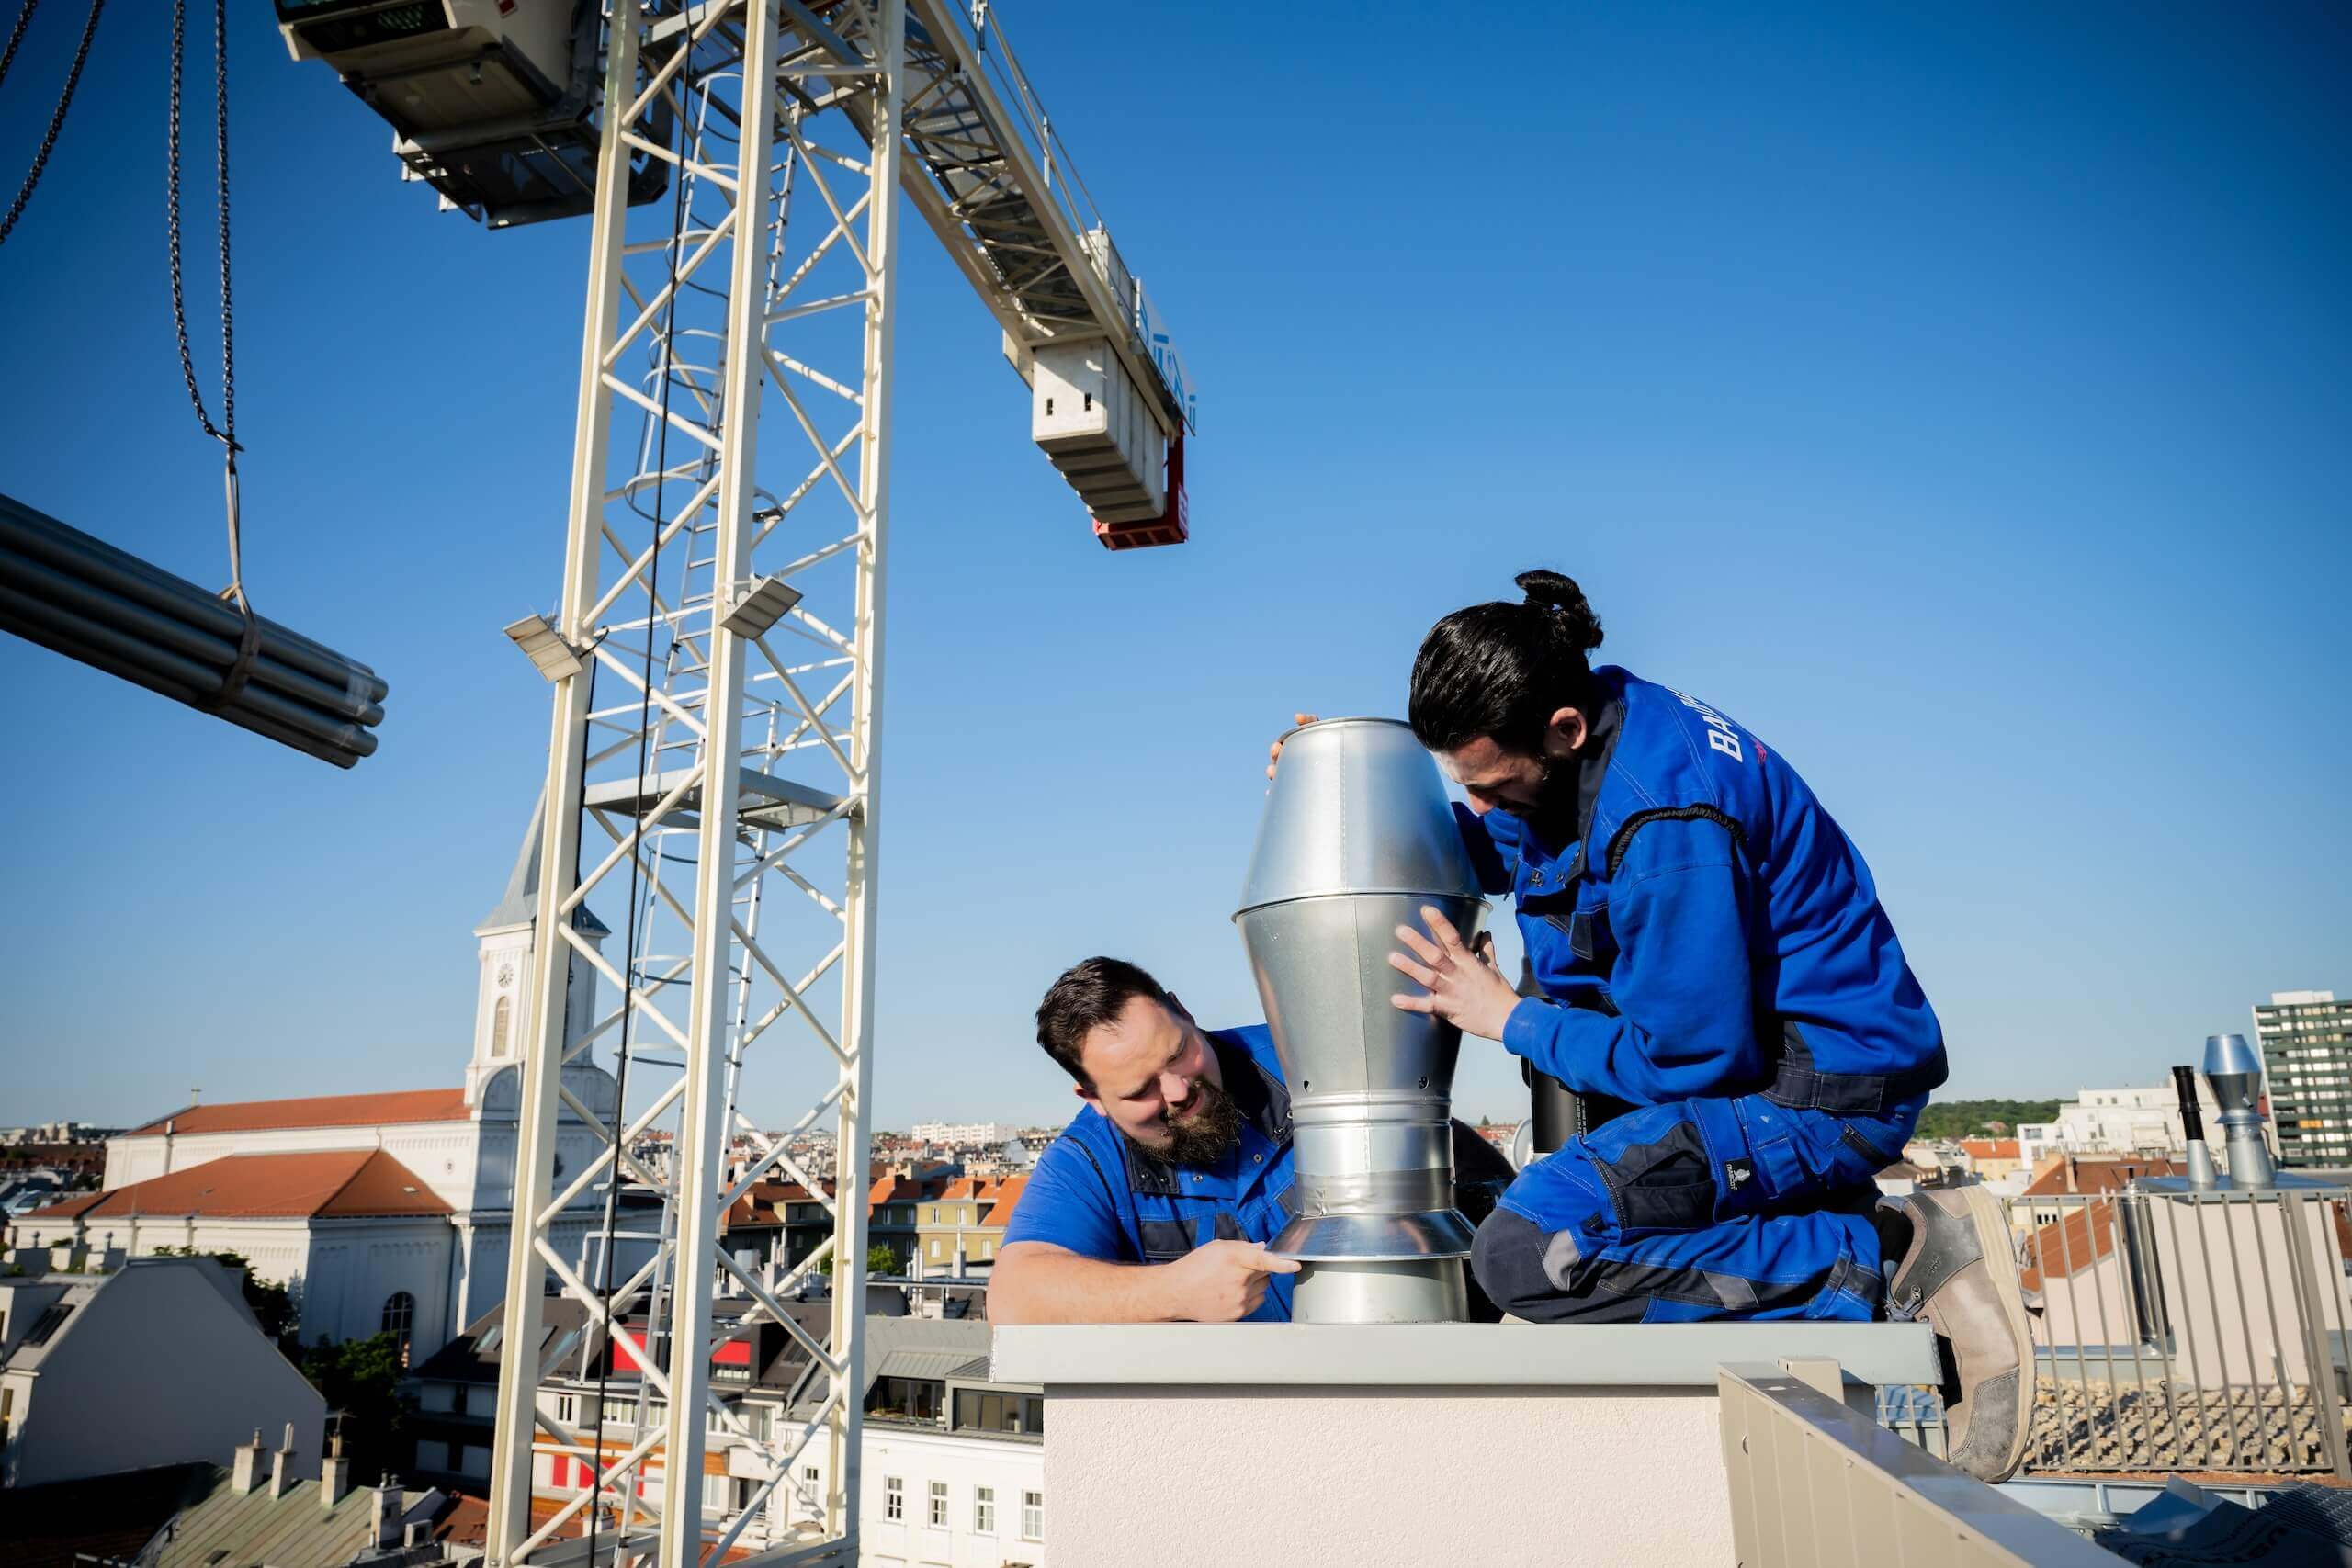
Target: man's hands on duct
column 1464, row 985
column 1274, row 752
column 1223, row 1282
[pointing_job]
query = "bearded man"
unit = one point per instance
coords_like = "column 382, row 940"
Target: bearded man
column 1156, row 1203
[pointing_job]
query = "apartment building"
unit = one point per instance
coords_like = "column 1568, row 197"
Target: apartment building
column 2306, row 1042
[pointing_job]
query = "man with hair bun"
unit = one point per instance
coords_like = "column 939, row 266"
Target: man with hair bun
column 1706, row 948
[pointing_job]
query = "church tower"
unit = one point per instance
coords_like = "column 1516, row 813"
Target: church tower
column 503, row 998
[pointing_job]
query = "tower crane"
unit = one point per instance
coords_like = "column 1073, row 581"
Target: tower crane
column 717, row 654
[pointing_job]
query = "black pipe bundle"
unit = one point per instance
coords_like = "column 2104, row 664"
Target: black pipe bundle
column 66, row 591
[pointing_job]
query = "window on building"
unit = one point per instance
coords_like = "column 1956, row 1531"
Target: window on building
column 909, row 1399
column 50, row 1320
column 894, row 1497
column 980, row 1411
column 939, row 1504
column 398, row 1317
column 984, row 1510
column 1032, row 1515
column 501, row 1017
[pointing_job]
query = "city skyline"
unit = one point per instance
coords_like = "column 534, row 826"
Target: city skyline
column 1954, row 403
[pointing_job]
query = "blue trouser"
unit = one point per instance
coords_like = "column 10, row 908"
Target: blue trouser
column 1698, row 1208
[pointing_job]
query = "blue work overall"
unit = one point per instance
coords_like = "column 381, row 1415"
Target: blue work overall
column 1710, row 949
column 1099, row 1194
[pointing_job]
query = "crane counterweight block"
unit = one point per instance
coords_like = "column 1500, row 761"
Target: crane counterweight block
column 91, row 602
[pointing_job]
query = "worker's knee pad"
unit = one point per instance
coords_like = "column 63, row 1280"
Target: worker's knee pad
column 1519, row 1263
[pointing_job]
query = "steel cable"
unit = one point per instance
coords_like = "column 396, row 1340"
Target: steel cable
column 57, row 117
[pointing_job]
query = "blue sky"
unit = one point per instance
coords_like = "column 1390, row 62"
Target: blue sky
column 1957, row 397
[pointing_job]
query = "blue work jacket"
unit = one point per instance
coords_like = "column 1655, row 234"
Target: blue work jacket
column 1096, row 1193
column 1708, row 929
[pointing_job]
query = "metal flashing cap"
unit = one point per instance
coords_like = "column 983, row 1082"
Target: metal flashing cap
column 1356, row 807
column 2234, row 1070
column 2230, row 1053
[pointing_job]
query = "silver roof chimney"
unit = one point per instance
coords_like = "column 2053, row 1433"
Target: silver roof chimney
column 1356, row 838
column 2235, row 1071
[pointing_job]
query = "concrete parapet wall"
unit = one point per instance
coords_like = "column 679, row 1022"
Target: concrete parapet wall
column 1396, row 1445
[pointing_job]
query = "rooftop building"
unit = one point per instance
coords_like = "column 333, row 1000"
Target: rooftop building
column 2137, row 1119
column 952, row 1458
column 160, row 1363
column 962, row 1228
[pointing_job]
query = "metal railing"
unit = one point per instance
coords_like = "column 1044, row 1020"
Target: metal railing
column 1815, row 1485
column 2177, row 1330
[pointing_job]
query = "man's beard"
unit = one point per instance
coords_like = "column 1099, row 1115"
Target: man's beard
column 1202, row 1137
column 1558, row 795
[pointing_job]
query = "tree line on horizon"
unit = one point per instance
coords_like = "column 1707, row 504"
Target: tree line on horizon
column 1982, row 1118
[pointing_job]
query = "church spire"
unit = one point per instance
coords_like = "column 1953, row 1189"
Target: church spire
column 519, row 905
column 503, row 1006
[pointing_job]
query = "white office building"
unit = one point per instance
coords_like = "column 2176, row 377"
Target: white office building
column 964, row 1134
column 2138, row 1119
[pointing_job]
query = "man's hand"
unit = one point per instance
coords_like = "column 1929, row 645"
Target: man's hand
column 1274, row 752
column 1465, row 987
column 1223, row 1282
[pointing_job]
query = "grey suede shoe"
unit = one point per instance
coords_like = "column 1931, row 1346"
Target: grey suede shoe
column 1960, row 1273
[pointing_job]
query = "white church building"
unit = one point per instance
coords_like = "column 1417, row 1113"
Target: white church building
column 378, row 1212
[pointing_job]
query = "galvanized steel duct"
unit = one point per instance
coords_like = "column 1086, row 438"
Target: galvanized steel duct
column 91, row 602
column 1357, row 837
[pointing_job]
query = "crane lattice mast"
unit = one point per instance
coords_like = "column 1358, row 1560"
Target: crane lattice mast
column 717, row 663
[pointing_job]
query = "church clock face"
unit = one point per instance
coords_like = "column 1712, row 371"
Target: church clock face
column 506, row 974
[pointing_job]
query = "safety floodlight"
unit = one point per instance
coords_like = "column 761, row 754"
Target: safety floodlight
column 537, row 636
column 758, row 606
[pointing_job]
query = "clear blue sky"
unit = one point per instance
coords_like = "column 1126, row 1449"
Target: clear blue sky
column 1957, row 397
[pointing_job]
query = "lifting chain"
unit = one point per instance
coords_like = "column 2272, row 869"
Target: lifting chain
column 249, row 641
column 57, row 119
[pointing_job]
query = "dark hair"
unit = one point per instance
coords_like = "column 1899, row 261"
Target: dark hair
column 1502, row 669
column 1088, row 994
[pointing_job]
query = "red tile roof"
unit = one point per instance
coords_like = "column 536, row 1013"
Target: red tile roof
column 1006, row 1195
column 69, row 1207
column 2085, row 1173
column 318, row 1110
column 328, row 1186
column 2070, row 1245
column 1990, row 1148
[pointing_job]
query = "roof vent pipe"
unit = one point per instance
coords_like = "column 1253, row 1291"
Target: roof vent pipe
column 2235, row 1073
column 2201, row 1175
